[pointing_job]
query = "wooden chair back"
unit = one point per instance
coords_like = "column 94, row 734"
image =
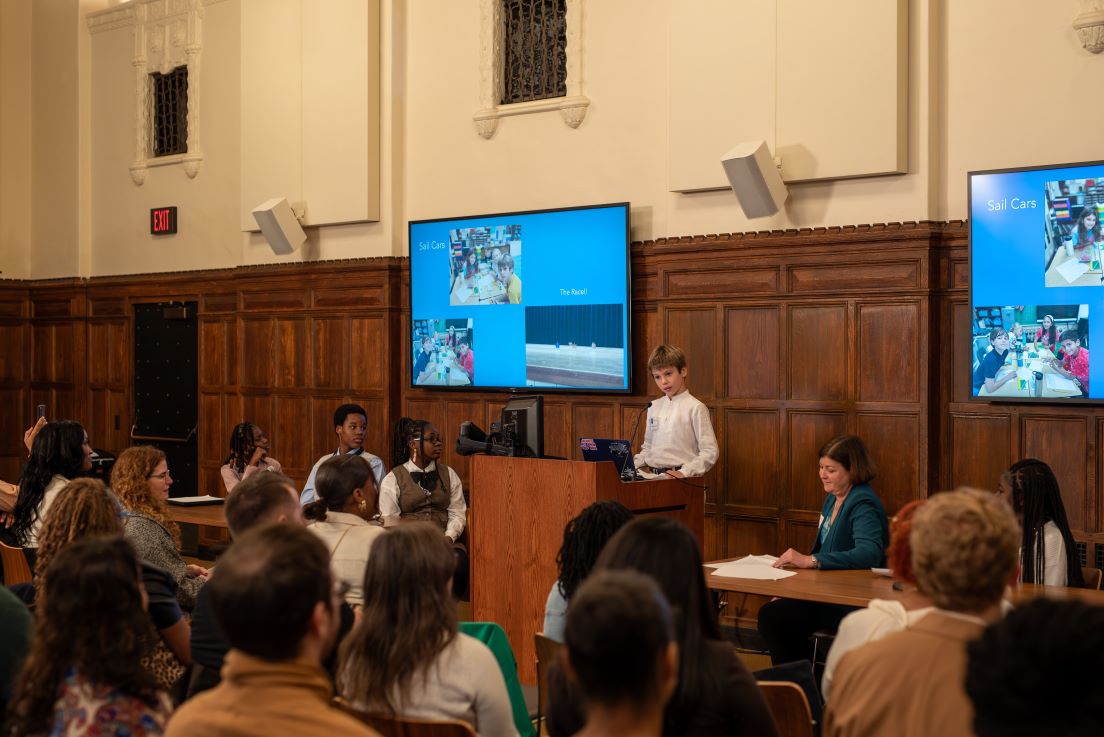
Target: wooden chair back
column 1092, row 577
column 789, row 707
column 547, row 652
column 16, row 569
column 408, row 727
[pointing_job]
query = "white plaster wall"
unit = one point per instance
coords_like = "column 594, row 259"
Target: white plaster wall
column 54, row 138
column 619, row 152
column 991, row 83
column 1021, row 91
column 15, row 139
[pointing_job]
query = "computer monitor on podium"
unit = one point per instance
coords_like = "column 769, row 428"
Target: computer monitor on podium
column 523, row 425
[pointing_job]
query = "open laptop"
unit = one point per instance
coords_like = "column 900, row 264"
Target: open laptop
column 619, row 452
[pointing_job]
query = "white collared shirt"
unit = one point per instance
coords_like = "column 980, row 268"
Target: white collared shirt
column 679, row 435
column 457, row 508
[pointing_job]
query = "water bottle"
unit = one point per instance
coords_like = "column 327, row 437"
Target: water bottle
column 1037, row 383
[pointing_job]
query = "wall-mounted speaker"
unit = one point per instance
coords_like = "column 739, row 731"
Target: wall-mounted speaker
column 755, row 179
column 280, row 226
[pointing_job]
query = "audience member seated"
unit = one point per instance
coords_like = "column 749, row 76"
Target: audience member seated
column 267, row 498
column 1048, row 553
column 882, row 616
column 910, row 683
column 16, row 624
column 716, row 694
column 621, row 654
column 141, row 480
column 853, row 534
column 86, row 509
column 583, row 539
column 9, row 492
column 274, row 597
column 419, row 487
column 405, row 656
column 248, row 455
column 345, row 517
column 350, row 422
column 69, row 684
column 1038, row 672
column 60, row 452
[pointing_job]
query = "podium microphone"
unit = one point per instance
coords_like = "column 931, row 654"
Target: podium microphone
column 623, row 471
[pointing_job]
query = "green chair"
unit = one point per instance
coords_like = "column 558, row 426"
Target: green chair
column 494, row 637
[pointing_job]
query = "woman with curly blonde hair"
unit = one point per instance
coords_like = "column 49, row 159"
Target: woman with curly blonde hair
column 141, row 480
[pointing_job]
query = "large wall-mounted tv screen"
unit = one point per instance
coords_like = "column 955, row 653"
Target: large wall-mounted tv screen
column 535, row 299
column 1037, row 283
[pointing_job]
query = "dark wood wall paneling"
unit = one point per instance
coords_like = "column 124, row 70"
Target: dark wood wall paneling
column 792, row 337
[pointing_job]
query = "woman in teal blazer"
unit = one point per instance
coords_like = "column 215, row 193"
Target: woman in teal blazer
column 853, row 534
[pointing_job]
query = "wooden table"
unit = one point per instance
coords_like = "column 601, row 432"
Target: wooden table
column 857, row 588
column 209, row 514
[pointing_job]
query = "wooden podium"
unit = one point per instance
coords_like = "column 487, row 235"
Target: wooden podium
column 519, row 507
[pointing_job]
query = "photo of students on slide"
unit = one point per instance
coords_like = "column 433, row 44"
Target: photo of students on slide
column 443, row 354
column 1074, row 233
column 1036, row 365
column 476, row 259
column 575, row 345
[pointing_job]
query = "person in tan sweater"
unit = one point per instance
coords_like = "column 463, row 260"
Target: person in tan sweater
column 965, row 551
column 274, row 598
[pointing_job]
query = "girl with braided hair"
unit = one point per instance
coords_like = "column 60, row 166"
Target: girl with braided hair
column 419, row 487
column 583, row 539
column 1048, row 554
column 248, row 455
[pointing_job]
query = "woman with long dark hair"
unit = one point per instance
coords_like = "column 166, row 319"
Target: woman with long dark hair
column 1048, row 552
column 420, row 487
column 248, row 455
column 141, row 479
column 60, row 453
column 583, row 540
column 405, row 656
column 84, row 669
column 715, row 694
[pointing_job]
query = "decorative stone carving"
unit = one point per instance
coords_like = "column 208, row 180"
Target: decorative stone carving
column 167, row 34
column 1090, row 26
column 572, row 108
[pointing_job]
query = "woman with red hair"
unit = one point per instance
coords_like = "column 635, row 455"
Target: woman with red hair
column 883, row 616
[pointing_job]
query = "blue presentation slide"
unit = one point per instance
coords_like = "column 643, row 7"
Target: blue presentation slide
column 1037, row 284
column 534, row 299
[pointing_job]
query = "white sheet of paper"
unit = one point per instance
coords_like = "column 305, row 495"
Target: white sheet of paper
column 1072, row 270
column 756, row 567
column 1059, row 383
column 462, row 294
column 196, row 501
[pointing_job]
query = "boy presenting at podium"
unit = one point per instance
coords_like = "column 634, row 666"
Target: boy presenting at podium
column 679, row 439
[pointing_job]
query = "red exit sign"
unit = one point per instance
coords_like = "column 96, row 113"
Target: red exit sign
column 163, row 220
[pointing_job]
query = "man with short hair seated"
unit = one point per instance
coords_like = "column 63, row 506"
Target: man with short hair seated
column 262, row 498
column 273, row 595
column 965, row 551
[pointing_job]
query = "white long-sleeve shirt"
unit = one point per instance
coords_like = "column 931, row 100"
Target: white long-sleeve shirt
column 457, row 508
column 464, row 682
column 308, row 494
column 679, row 435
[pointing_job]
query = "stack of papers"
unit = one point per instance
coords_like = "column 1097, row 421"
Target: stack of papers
column 196, row 501
column 1059, row 383
column 759, row 567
